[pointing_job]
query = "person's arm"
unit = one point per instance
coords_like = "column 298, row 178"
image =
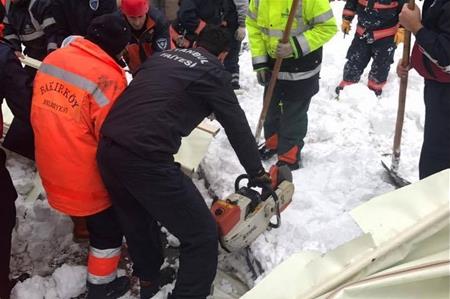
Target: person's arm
column 435, row 44
column 260, row 58
column 318, row 13
column 62, row 26
column 161, row 38
column 10, row 34
column 242, row 8
column 217, row 93
column 42, row 11
column 349, row 11
column 18, row 88
column 188, row 16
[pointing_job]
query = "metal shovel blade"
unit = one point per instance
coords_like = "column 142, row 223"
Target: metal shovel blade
column 395, row 179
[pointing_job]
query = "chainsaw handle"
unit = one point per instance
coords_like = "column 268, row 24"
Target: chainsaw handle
column 249, row 185
column 277, row 207
column 269, row 190
column 238, row 181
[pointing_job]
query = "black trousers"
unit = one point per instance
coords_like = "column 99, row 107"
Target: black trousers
column 359, row 54
column 144, row 192
column 8, row 196
column 104, row 230
column 435, row 154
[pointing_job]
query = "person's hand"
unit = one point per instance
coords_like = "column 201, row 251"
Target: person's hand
column 263, row 76
column 239, row 35
column 284, row 50
column 399, row 36
column 410, row 19
column 262, row 180
column 346, row 26
column 402, row 71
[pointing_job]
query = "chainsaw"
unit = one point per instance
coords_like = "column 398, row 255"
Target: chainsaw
column 247, row 213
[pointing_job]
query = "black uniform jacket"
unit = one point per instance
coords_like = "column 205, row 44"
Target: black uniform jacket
column 74, row 16
column 215, row 12
column 434, row 37
column 31, row 23
column 170, row 95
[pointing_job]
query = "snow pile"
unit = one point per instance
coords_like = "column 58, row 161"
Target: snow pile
column 65, row 283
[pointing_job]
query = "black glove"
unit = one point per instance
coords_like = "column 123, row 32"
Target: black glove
column 262, row 180
column 263, row 76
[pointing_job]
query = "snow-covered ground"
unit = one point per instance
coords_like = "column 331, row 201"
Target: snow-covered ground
column 345, row 142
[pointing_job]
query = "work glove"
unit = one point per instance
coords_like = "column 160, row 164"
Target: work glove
column 262, row 180
column 239, row 35
column 263, row 76
column 284, row 50
column 399, row 36
column 346, row 26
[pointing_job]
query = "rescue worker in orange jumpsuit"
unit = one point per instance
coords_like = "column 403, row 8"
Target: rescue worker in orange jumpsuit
column 149, row 32
column 74, row 90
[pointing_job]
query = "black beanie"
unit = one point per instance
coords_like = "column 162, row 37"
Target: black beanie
column 110, row 32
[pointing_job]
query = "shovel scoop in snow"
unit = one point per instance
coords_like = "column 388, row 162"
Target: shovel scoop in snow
column 392, row 171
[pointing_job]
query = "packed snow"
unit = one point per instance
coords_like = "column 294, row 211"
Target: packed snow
column 346, row 140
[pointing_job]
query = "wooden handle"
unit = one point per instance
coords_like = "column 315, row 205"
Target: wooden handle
column 402, row 94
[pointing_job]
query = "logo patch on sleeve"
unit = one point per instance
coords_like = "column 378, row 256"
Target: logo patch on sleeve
column 162, row 43
column 93, row 4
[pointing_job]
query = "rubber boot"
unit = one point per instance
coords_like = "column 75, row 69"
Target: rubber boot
column 115, row 289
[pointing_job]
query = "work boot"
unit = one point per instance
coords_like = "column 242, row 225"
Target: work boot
column 292, row 166
column 151, row 288
column 338, row 89
column 378, row 92
column 266, row 153
column 115, row 289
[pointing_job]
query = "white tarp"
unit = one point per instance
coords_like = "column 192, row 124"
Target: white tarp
column 404, row 252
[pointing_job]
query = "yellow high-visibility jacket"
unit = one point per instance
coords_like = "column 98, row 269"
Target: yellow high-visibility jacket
column 313, row 26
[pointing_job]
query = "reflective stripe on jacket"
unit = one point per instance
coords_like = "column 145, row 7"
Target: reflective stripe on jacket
column 73, row 91
column 32, row 24
column 313, row 26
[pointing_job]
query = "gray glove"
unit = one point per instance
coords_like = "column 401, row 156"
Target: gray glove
column 284, row 50
column 239, row 35
column 263, row 76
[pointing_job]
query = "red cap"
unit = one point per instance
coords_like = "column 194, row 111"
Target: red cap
column 135, row 8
